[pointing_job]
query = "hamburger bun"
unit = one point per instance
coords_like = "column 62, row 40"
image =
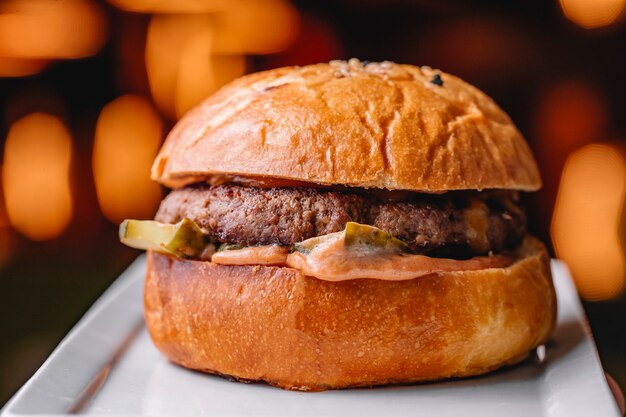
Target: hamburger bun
column 381, row 125
column 293, row 331
column 335, row 130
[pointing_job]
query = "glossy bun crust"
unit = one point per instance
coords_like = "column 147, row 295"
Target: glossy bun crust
column 380, row 125
column 297, row 332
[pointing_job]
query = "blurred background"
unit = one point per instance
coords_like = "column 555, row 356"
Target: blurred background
column 89, row 89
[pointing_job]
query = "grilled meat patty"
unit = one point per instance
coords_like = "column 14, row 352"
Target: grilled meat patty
column 457, row 224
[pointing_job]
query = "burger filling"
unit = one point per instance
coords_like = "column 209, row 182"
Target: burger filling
column 335, row 234
column 455, row 225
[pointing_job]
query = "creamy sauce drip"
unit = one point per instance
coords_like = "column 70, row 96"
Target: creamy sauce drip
column 333, row 261
column 257, row 255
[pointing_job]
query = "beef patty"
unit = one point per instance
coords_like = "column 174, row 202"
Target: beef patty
column 457, row 224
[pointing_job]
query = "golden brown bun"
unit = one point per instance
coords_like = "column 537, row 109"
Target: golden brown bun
column 298, row 332
column 383, row 125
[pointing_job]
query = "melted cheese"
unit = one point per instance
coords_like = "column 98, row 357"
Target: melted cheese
column 332, row 261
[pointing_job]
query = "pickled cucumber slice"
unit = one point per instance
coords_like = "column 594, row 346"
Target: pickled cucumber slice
column 306, row 246
column 183, row 239
column 356, row 234
column 229, row 246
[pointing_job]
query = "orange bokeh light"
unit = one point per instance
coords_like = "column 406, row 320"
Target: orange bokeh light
column 35, row 176
column 572, row 112
column 164, row 42
column 128, row 135
column 182, row 69
column 591, row 14
column 51, row 28
column 4, row 217
column 169, row 6
column 20, row 67
column 189, row 56
column 256, row 27
column 569, row 114
column 478, row 47
column 6, row 244
column 586, row 221
column 201, row 73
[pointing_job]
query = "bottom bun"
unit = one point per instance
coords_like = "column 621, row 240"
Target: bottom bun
column 298, row 332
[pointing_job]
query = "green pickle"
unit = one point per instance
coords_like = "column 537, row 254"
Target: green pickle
column 229, row 246
column 184, row 239
column 306, row 246
column 356, row 234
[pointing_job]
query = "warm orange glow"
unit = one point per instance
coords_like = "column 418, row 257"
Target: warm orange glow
column 4, row 217
column 202, row 73
column 181, row 66
column 189, row 56
column 165, row 39
column 6, row 244
column 35, row 176
column 585, row 226
column 170, row 6
column 128, row 134
column 591, row 14
column 51, row 28
column 572, row 112
column 480, row 47
column 256, row 27
column 19, row 67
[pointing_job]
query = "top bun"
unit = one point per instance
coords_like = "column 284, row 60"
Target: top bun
column 379, row 125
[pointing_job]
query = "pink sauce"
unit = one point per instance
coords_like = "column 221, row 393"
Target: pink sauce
column 257, row 255
column 332, row 261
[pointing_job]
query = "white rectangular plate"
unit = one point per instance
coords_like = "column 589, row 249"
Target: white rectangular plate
column 107, row 366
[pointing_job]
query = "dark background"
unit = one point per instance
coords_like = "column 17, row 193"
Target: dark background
column 561, row 83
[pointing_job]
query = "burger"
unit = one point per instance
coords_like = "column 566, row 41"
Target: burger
column 342, row 225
